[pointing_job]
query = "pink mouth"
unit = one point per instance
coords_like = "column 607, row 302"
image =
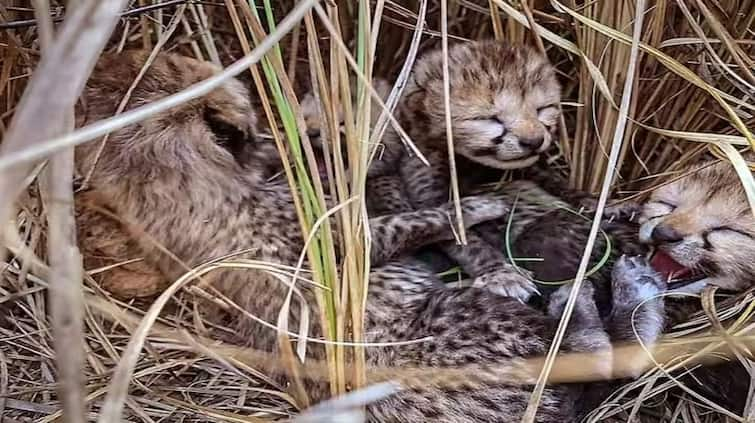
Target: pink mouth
column 671, row 270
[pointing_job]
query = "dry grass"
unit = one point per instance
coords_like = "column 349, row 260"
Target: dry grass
column 690, row 95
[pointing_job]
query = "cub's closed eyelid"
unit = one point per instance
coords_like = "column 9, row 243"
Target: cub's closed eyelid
column 659, row 213
column 543, row 108
column 663, row 203
column 730, row 229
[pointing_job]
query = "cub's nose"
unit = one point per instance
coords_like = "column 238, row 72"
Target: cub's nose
column 664, row 233
column 532, row 143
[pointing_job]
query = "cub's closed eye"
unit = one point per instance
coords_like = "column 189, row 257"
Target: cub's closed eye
column 657, row 208
column 544, row 108
column 731, row 230
column 664, row 203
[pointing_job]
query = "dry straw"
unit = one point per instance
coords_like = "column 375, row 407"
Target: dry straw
column 683, row 71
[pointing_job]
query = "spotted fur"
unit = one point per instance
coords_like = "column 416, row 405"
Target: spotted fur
column 188, row 185
column 197, row 188
column 145, row 165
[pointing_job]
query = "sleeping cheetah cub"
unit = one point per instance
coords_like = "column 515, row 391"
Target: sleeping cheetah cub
column 504, row 109
column 191, row 178
column 188, row 185
column 703, row 230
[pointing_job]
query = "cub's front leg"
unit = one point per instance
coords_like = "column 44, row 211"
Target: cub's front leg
column 398, row 234
column 428, row 186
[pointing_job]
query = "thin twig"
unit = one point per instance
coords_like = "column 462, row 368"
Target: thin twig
column 66, row 299
column 449, row 128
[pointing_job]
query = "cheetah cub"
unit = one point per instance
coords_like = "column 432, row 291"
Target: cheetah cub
column 504, row 110
column 699, row 230
column 703, row 230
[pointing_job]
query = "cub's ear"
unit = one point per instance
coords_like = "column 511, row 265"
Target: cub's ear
column 228, row 135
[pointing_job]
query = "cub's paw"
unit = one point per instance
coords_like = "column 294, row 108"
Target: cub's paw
column 508, row 282
column 634, row 281
column 627, row 211
column 481, row 208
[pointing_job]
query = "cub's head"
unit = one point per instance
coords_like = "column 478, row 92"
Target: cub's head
column 504, row 103
column 211, row 138
column 703, row 227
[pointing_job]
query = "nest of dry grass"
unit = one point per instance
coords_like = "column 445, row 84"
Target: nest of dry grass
column 692, row 96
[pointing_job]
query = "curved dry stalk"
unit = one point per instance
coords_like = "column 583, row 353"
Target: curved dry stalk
column 402, row 78
column 741, row 58
column 375, row 96
column 569, row 368
column 722, row 338
column 673, row 65
column 745, row 85
column 744, row 172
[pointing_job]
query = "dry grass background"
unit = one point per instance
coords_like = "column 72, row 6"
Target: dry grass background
column 691, row 95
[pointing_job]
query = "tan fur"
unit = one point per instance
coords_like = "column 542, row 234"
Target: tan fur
column 710, row 227
column 107, row 244
column 497, row 90
column 709, row 214
column 176, row 183
column 105, row 240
